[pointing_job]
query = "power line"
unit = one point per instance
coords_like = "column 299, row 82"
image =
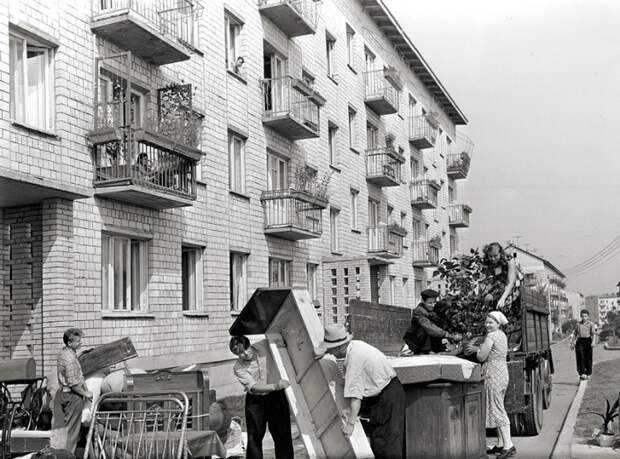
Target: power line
column 594, row 257
column 602, row 256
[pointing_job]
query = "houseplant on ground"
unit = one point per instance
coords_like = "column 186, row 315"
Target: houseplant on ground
column 606, row 435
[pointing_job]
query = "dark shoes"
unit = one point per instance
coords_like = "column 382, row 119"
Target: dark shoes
column 495, row 450
column 507, row 453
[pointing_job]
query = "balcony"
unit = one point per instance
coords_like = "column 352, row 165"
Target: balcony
column 458, row 215
column 158, row 31
column 422, row 133
column 145, row 154
column 386, row 241
column 384, row 166
column 459, row 162
column 292, row 214
column 381, row 92
column 425, row 253
column 291, row 108
column 293, row 17
column 424, row 194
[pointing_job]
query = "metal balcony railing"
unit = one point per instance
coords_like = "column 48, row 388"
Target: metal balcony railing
column 424, row 193
column 302, row 11
column 384, row 162
column 425, row 253
column 282, row 97
column 381, row 91
column 458, row 215
column 173, row 19
column 293, row 211
column 384, row 241
column 421, row 132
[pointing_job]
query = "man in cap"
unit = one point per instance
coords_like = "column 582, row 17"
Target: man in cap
column 369, row 379
column 424, row 336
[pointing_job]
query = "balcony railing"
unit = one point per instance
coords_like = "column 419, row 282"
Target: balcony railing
column 425, row 254
column 458, row 215
column 158, row 31
column 291, row 108
column 384, row 242
column 424, row 194
column 422, row 134
column 459, row 162
column 384, row 167
column 293, row 17
column 381, row 94
column 291, row 214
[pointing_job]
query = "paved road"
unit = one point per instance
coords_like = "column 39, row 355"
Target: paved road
column 565, row 384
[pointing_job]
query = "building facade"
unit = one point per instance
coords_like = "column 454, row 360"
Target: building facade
column 609, row 302
column 161, row 160
column 576, row 302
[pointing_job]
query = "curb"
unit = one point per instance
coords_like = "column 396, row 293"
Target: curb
column 562, row 448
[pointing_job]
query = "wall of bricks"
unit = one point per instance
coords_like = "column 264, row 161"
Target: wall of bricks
column 68, row 274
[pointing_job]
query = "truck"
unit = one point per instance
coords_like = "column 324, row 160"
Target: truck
column 530, row 365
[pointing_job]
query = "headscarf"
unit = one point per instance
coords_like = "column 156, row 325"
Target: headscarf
column 498, row 317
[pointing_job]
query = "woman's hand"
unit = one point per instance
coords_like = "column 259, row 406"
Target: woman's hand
column 471, row 349
column 501, row 302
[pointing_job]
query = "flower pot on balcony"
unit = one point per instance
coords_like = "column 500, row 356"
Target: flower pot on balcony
column 605, row 440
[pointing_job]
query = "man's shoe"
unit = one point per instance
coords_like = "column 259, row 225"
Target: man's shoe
column 507, row 453
column 587, row 376
column 495, row 450
column 583, row 377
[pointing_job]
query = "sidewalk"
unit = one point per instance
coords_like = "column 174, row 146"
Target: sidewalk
column 568, row 447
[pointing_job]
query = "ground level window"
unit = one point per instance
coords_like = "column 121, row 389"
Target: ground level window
column 279, row 272
column 124, row 273
column 191, row 278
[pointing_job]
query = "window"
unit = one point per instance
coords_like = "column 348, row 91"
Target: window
column 191, row 278
column 373, row 213
column 372, row 134
column 311, row 281
column 370, row 59
column 403, row 220
column 307, row 78
column 124, row 273
column 332, row 147
column 448, row 146
column 407, row 296
column 352, row 128
column 418, row 287
column 232, row 41
column 354, row 196
column 413, row 109
column 390, row 214
column 334, row 215
column 393, row 290
column 238, row 280
column 451, row 194
column 415, row 168
column 236, row 160
column 279, row 272
column 32, row 82
column 416, row 229
column 350, row 46
column 277, row 172
column 330, row 45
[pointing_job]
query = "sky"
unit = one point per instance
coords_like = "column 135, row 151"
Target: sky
column 539, row 81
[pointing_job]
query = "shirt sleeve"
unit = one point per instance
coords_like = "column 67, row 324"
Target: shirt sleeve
column 245, row 378
column 353, row 380
column 430, row 328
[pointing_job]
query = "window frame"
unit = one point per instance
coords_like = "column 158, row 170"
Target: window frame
column 352, row 123
column 332, row 144
column 334, row 227
column 238, row 295
column 330, row 55
column 354, row 209
column 48, row 79
column 196, row 278
column 233, row 173
column 232, row 34
column 281, row 267
column 350, row 47
column 312, row 284
column 108, row 275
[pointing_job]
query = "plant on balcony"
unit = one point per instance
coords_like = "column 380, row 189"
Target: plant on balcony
column 435, row 241
column 307, row 181
column 395, row 228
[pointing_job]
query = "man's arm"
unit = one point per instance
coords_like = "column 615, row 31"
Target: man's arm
column 351, row 417
column 431, row 329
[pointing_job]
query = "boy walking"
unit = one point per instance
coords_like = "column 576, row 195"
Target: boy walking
column 582, row 340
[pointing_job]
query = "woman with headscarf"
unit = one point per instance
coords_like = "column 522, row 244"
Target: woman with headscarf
column 492, row 353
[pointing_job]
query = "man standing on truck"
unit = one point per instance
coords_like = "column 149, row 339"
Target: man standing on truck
column 424, row 336
column 582, row 340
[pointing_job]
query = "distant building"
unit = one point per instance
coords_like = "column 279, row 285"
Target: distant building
column 545, row 275
column 577, row 302
column 609, row 302
column 592, row 307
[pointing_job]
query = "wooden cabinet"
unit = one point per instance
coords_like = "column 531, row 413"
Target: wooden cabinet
column 445, row 419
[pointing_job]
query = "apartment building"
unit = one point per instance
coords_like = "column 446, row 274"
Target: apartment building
column 161, row 160
column 608, row 302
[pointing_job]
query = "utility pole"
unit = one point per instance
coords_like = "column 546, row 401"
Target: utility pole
column 517, row 239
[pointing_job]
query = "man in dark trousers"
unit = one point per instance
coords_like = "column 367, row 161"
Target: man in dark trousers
column 265, row 401
column 581, row 341
column 369, row 379
column 424, row 336
column 72, row 393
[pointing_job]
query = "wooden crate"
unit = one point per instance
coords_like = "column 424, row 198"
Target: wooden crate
column 107, row 355
column 445, row 419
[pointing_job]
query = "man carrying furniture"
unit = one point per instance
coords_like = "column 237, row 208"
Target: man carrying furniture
column 424, row 336
column 369, row 379
column 72, row 393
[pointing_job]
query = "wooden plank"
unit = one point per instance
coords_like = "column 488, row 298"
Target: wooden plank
column 106, row 355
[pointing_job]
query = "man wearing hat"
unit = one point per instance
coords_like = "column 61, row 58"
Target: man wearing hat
column 424, row 336
column 369, row 379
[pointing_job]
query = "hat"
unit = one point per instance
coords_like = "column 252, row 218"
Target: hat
column 429, row 293
column 335, row 335
column 498, row 317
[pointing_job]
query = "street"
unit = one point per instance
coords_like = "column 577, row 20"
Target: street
column 565, row 384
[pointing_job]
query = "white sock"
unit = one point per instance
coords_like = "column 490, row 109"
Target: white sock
column 506, row 436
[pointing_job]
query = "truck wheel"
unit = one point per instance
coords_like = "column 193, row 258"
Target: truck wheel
column 533, row 415
column 545, row 370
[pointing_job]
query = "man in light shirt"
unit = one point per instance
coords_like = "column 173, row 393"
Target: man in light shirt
column 369, row 379
column 265, row 401
column 582, row 340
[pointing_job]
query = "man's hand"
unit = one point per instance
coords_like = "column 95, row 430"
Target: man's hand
column 347, row 428
column 283, row 384
column 456, row 337
column 471, row 349
column 88, row 395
